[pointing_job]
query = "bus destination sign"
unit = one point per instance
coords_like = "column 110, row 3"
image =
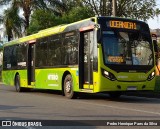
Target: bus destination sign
column 122, row 24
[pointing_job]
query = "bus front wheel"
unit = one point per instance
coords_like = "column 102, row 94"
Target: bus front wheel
column 68, row 87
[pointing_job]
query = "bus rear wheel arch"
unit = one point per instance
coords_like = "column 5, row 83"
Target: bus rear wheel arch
column 68, row 86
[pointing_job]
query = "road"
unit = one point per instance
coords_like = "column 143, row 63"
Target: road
column 45, row 105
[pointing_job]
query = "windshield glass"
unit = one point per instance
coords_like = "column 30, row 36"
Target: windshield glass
column 127, row 48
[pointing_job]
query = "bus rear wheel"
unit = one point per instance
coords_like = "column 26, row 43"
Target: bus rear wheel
column 68, row 87
column 17, row 84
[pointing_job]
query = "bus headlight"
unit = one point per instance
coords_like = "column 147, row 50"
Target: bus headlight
column 151, row 76
column 108, row 75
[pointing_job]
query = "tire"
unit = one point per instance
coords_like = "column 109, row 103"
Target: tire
column 115, row 95
column 68, row 87
column 17, row 84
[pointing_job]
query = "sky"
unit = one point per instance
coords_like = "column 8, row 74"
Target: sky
column 155, row 22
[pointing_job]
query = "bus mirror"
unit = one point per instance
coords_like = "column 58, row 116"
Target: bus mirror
column 97, row 26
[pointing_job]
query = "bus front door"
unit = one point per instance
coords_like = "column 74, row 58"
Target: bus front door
column 86, row 60
column 31, row 64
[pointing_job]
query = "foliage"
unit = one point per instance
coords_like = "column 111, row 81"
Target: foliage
column 61, row 7
column 137, row 9
column 42, row 19
column 100, row 7
column 27, row 6
column 47, row 13
column 12, row 22
column 77, row 14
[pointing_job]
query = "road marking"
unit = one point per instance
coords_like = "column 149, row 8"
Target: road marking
column 122, row 108
column 109, row 106
column 115, row 107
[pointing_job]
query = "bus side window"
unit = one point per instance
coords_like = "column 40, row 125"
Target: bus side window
column 10, row 57
column 41, row 52
column 54, row 52
column 13, row 56
column 22, row 56
column 6, row 58
column 70, row 49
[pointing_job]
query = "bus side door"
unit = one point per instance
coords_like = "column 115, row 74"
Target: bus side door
column 31, row 63
column 86, row 60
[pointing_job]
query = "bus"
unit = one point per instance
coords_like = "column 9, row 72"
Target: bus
column 99, row 54
column 157, row 53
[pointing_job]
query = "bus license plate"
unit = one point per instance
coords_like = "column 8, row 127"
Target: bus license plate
column 131, row 88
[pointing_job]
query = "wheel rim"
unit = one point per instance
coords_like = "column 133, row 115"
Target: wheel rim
column 68, row 86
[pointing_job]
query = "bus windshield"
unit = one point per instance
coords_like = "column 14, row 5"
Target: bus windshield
column 127, row 48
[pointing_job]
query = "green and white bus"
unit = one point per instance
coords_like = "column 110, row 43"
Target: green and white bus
column 98, row 54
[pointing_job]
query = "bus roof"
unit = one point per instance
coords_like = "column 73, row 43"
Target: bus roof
column 44, row 33
column 59, row 29
column 120, row 18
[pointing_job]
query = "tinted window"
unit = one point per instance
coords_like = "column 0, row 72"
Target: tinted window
column 6, row 58
column 129, row 48
column 14, row 57
column 22, row 55
column 50, row 51
column 70, row 48
column 54, row 50
column 41, row 52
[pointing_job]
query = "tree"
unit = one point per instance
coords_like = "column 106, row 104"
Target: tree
column 27, row 6
column 42, row 19
column 61, row 7
column 100, row 7
column 137, row 9
column 77, row 14
column 12, row 23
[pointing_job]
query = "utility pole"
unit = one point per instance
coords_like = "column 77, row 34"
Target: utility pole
column 114, row 7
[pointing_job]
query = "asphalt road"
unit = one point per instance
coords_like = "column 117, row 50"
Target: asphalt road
column 49, row 105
